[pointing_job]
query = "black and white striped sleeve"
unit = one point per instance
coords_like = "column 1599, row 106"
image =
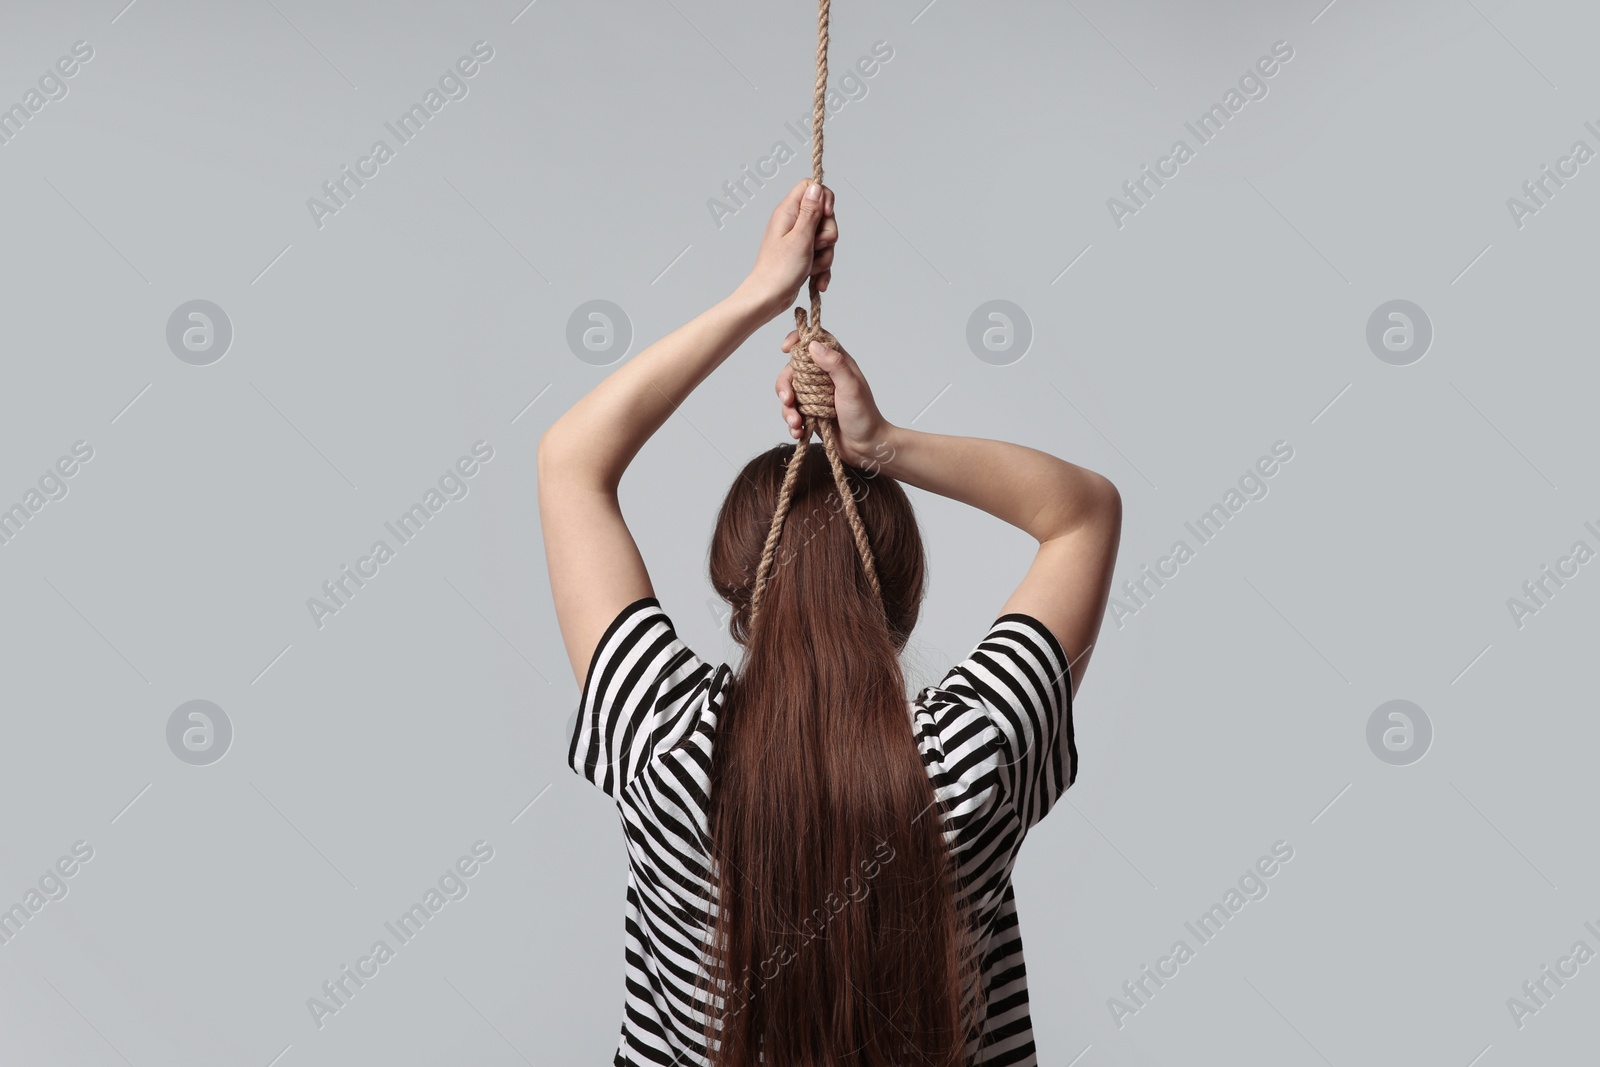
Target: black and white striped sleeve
column 641, row 680
column 1019, row 675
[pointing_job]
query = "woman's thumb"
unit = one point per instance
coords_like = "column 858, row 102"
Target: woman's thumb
column 832, row 361
column 810, row 209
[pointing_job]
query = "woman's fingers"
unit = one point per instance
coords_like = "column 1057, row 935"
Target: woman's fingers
column 827, row 234
column 792, row 418
column 787, row 408
column 788, row 342
column 784, row 386
column 822, row 264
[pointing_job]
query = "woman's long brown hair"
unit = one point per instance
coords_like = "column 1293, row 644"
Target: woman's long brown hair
column 837, row 940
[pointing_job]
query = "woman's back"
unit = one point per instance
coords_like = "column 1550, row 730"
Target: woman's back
column 995, row 737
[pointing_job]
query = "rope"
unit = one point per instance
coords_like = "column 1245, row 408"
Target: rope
column 813, row 389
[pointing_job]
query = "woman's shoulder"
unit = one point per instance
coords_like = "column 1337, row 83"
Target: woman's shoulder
column 1003, row 716
column 954, row 733
column 645, row 694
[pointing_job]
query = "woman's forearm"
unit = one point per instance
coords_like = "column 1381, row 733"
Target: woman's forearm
column 1036, row 492
column 599, row 435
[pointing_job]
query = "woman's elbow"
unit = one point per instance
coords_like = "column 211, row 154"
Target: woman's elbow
column 1086, row 501
column 1102, row 504
column 1109, row 500
column 556, row 456
column 548, row 454
column 566, row 458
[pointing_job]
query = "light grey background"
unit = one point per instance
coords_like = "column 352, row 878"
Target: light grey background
column 1229, row 313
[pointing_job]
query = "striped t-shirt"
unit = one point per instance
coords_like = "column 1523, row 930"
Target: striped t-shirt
column 995, row 735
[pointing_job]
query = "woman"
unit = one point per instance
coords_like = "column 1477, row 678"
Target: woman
column 859, row 845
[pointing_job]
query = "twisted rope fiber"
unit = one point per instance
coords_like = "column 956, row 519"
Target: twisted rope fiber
column 813, row 388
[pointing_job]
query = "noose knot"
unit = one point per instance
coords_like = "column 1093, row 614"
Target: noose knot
column 813, row 388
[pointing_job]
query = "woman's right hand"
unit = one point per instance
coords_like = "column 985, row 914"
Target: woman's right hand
column 863, row 431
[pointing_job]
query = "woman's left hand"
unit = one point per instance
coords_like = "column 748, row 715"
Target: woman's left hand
column 798, row 244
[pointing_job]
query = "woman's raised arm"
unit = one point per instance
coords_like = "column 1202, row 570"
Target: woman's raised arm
column 595, row 566
column 1074, row 513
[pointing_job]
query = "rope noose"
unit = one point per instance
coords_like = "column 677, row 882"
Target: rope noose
column 813, row 389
